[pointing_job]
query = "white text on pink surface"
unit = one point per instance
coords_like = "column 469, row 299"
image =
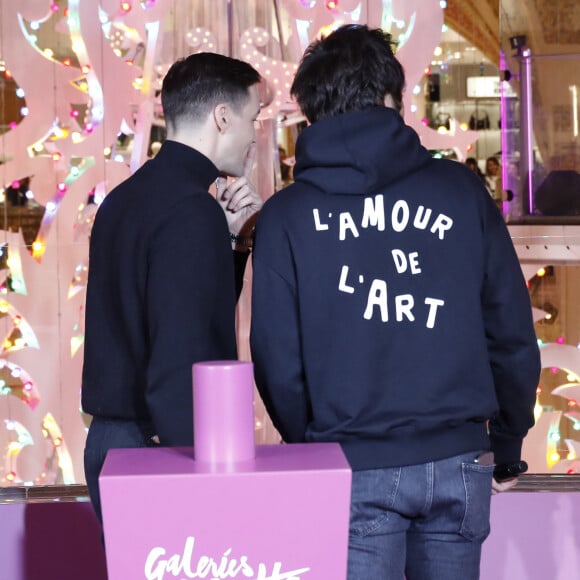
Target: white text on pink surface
column 160, row 566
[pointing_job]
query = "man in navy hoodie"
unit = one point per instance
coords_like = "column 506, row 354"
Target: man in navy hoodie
column 390, row 315
column 161, row 291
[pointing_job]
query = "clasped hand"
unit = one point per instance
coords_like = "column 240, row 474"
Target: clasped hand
column 240, row 200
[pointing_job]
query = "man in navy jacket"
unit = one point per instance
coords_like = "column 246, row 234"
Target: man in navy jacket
column 161, row 291
column 390, row 315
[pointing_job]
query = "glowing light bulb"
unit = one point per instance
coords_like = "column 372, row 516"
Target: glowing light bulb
column 56, row 156
column 560, row 340
column 38, row 247
column 541, row 272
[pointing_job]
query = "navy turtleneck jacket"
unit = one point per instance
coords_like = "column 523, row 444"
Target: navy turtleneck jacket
column 389, row 310
column 161, row 293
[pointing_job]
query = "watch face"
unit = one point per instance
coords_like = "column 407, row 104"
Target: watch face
column 509, row 470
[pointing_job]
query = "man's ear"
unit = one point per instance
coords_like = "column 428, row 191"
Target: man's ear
column 221, row 117
column 389, row 101
column 390, row 104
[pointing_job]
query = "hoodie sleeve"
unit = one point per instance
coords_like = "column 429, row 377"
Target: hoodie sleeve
column 511, row 339
column 275, row 335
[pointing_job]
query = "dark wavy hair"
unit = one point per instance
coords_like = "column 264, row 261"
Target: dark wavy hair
column 351, row 69
column 196, row 84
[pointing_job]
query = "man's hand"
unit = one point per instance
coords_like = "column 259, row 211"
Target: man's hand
column 240, row 200
column 498, row 487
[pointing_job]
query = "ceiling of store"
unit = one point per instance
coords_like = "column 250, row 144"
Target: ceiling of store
column 477, row 21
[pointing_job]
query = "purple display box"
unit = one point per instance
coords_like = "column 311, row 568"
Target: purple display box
column 231, row 509
column 280, row 516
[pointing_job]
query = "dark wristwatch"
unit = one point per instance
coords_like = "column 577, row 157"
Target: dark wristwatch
column 505, row 471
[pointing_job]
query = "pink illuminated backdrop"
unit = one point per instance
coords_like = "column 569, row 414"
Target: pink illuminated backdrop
column 87, row 76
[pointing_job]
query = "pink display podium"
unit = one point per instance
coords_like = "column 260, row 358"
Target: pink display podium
column 272, row 512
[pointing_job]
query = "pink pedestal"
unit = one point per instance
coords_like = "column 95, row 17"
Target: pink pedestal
column 275, row 512
column 282, row 516
column 223, row 411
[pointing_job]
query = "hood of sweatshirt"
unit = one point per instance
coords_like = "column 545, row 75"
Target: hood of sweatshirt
column 358, row 152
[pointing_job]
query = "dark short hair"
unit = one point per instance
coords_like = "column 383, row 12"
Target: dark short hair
column 196, row 84
column 351, row 69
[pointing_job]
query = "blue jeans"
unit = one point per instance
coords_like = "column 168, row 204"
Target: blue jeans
column 422, row 522
column 105, row 434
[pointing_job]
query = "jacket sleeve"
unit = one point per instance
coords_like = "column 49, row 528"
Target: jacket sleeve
column 511, row 339
column 275, row 335
column 190, row 310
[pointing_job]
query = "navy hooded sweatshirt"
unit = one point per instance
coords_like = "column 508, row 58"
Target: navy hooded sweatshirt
column 389, row 310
